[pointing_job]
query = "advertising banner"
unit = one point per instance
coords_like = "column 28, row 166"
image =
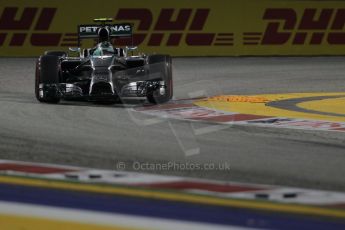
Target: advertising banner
column 180, row 27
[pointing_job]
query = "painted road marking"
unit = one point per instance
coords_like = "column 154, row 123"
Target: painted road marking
column 264, row 109
column 238, row 98
column 295, row 105
column 197, row 204
column 33, row 169
column 177, row 197
column 169, row 196
column 333, row 105
column 188, row 185
column 14, row 216
column 306, row 111
column 15, row 222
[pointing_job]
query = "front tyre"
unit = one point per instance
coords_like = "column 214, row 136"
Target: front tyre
column 47, row 78
column 165, row 92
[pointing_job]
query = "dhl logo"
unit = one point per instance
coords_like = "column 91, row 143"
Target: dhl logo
column 186, row 26
column 166, row 31
column 171, row 32
column 10, row 21
column 313, row 27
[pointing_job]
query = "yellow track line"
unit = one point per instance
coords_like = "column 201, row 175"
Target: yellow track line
column 14, row 222
column 179, row 197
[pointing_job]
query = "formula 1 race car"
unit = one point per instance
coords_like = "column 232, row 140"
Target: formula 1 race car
column 103, row 73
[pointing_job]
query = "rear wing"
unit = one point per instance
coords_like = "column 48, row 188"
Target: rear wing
column 115, row 30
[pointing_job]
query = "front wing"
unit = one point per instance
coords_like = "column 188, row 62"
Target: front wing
column 114, row 84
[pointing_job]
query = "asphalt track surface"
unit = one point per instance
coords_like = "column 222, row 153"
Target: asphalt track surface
column 101, row 136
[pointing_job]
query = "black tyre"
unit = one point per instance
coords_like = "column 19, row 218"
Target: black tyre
column 47, row 73
column 155, row 97
column 56, row 53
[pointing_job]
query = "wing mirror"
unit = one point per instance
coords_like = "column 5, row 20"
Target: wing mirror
column 74, row 49
column 131, row 49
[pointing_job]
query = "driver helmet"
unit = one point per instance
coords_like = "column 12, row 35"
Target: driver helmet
column 104, row 48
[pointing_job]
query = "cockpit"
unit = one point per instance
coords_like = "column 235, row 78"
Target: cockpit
column 104, row 49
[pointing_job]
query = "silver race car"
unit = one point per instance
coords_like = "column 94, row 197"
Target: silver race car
column 103, row 73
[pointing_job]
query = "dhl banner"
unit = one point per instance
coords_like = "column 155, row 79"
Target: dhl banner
column 180, row 27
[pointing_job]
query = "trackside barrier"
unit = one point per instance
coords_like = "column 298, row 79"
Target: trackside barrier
column 181, row 28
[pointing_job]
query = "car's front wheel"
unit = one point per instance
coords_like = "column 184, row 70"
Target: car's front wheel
column 47, row 78
column 165, row 92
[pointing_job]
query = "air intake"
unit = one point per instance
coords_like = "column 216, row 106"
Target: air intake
column 101, row 88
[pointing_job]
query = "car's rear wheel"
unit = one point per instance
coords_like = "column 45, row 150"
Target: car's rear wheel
column 47, row 75
column 160, row 95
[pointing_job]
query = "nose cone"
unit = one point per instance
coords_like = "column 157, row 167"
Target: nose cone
column 102, row 61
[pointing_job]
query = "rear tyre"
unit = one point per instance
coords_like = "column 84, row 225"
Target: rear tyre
column 155, row 97
column 47, row 73
column 56, row 53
